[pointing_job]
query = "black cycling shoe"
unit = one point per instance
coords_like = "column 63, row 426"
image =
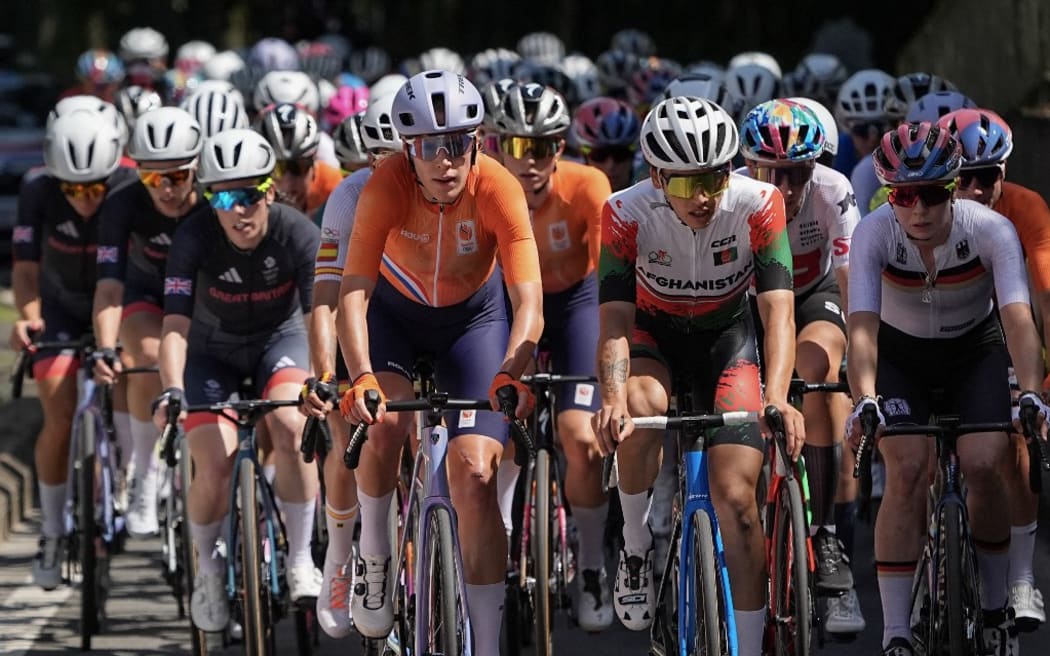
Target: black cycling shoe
column 833, row 572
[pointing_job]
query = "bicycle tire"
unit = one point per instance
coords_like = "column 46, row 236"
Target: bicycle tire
column 441, row 588
column 791, row 606
column 404, row 592
column 255, row 598
column 542, row 554
column 711, row 634
column 963, row 614
column 198, row 638
column 87, row 531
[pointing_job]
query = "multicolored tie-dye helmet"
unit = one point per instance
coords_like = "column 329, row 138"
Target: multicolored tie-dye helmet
column 781, row 130
column 917, row 153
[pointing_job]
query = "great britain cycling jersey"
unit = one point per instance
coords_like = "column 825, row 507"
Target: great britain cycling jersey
column 982, row 255
column 336, row 226
column 239, row 292
column 133, row 243
column 568, row 225
column 690, row 280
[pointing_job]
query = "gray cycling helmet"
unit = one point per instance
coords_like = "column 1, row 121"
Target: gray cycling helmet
column 235, row 155
column 291, row 131
column 531, row 109
column 350, row 148
column 166, row 133
column 435, row 102
column 216, row 110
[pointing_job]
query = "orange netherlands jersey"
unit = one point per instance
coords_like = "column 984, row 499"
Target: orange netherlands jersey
column 568, row 226
column 438, row 254
column 1027, row 210
column 327, row 178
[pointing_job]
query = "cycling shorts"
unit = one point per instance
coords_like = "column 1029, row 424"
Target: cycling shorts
column 571, row 332
column 965, row 375
column 721, row 366
column 142, row 293
column 467, row 340
column 63, row 321
column 217, row 362
column 822, row 303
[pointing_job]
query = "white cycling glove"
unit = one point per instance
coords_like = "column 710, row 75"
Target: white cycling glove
column 859, row 408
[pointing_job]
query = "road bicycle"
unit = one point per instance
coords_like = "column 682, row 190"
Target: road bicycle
column 946, row 614
column 541, row 547
column 430, row 599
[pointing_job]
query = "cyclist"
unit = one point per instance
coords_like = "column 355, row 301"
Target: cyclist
column 350, row 147
column 381, row 139
column 100, row 73
column 861, row 110
column 136, row 229
column 987, row 142
column 145, row 53
column 606, row 132
column 53, row 279
column 912, row 331
column 302, row 181
column 295, row 87
column 678, row 255
column 217, row 106
column 780, row 142
column 565, row 200
column 236, row 286
column 427, row 230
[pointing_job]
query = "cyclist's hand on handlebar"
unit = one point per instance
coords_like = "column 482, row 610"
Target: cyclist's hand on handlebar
column 794, row 427
column 318, row 395
column 612, row 424
column 352, row 405
column 853, row 429
column 526, row 400
column 21, row 333
column 106, row 366
column 1042, row 413
column 169, row 397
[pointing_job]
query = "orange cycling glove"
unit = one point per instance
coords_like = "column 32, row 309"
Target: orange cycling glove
column 365, row 381
column 503, row 379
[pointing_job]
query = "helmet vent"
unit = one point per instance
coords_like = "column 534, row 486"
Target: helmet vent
column 437, row 101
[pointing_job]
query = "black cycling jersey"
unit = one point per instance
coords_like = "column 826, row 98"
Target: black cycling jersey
column 242, row 292
column 133, row 234
column 49, row 231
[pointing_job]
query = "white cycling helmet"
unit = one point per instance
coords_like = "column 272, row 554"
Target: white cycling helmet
column 192, row 55
column 387, row 85
column 369, row 63
column 863, row 97
column 143, row 43
column 273, row 54
column 103, row 110
column 753, row 84
column 532, row 110
column 350, row 148
column 442, row 59
column 493, row 64
column 584, row 76
column 931, row 107
column 634, row 41
column 417, row 103
column 291, row 131
column 542, row 47
column 827, row 122
column 78, row 147
column 235, row 155
column 167, row 133
column 707, row 67
column 756, row 58
column 287, row 87
column 685, row 134
column 134, row 101
column 216, row 110
column 818, row 75
column 222, row 65
column 377, row 125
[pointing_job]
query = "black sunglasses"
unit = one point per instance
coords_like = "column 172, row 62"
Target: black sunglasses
column 985, row 176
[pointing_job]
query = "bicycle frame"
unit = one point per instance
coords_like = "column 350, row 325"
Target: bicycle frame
column 109, row 523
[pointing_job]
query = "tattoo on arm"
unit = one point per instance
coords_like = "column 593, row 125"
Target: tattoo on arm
column 613, row 374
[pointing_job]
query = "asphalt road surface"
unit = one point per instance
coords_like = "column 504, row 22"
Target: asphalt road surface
column 143, row 618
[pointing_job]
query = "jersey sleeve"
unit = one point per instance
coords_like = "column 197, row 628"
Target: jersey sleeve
column 866, row 264
column 1001, row 247
column 336, row 224
column 1032, row 221
column 378, row 209
column 619, row 250
column 770, row 246
column 864, row 182
column 184, row 260
column 114, row 230
column 28, row 233
column 589, row 200
column 503, row 208
column 845, row 221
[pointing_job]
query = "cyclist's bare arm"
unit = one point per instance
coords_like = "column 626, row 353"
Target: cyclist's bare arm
column 322, row 318
column 842, row 277
column 526, row 298
column 108, row 304
column 776, row 307
column 862, row 353
column 616, row 318
column 25, row 284
column 1022, row 340
column 173, row 339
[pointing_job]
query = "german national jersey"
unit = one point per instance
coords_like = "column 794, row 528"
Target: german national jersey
column 1027, row 210
column 568, row 225
column 982, row 255
column 693, row 279
column 440, row 254
column 241, row 292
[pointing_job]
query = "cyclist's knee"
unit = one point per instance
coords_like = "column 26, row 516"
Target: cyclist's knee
column 577, row 437
column 907, row 476
column 982, row 460
column 737, row 507
column 812, row 361
column 646, row 397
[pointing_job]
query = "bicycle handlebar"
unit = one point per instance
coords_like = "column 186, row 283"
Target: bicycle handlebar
column 1038, row 460
column 799, row 387
column 554, row 379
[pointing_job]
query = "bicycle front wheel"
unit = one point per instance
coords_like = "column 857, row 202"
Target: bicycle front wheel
column 961, row 614
column 541, row 556
column 791, row 606
column 255, row 596
column 87, row 531
column 711, row 631
column 439, row 596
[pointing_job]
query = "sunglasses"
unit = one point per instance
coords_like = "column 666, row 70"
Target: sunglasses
column 520, row 147
column 296, row 167
column 794, row 176
column 985, row 176
column 79, row 190
column 490, row 144
column 712, row 183
column 619, row 154
column 243, row 196
column 428, row 147
column 930, row 195
column 174, row 177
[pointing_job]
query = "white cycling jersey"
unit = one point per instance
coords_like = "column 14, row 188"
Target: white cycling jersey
column 337, row 222
column 982, row 255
